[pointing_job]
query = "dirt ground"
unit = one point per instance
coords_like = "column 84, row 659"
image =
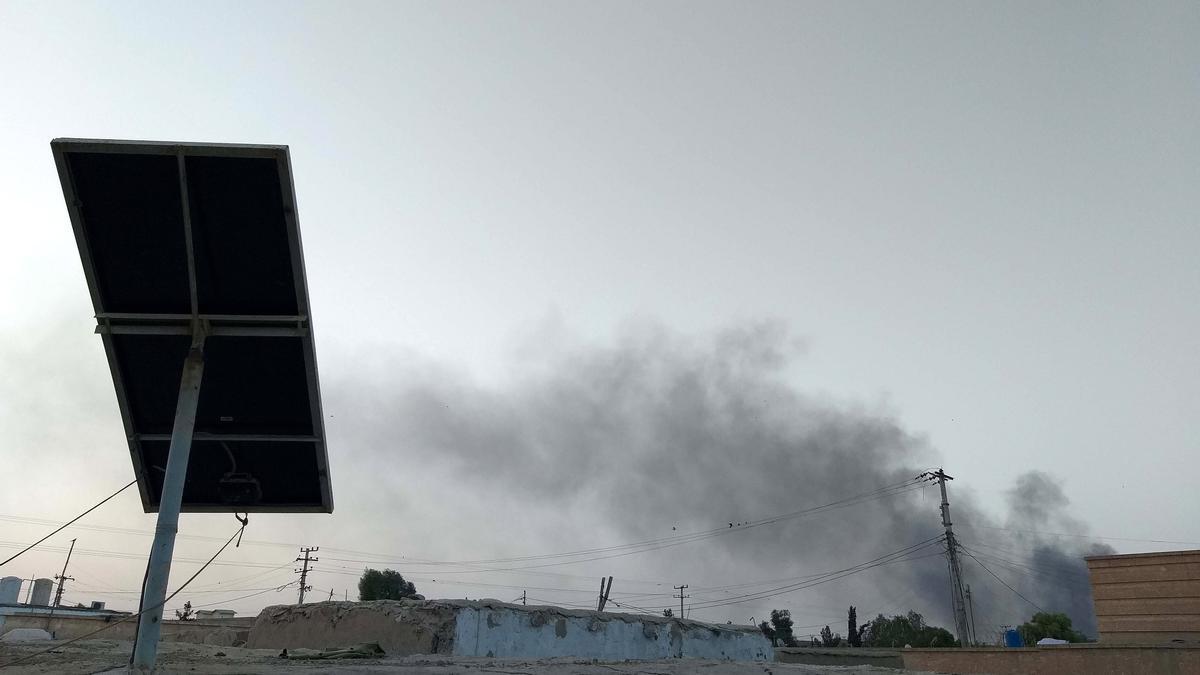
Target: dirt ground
column 110, row 656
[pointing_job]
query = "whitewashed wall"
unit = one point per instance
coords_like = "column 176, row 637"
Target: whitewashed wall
column 505, row 631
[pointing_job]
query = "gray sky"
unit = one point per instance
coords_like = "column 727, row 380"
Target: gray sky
column 976, row 221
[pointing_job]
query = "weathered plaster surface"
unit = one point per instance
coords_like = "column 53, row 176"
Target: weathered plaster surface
column 502, row 630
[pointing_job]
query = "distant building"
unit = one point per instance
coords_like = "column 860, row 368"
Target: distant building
column 215, row 614
column 1147, row 598
column 13, row 615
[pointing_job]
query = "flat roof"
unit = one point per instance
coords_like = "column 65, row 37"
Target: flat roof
column 1131, row 556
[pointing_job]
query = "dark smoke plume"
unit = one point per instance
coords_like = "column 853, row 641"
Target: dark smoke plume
column 658, row 434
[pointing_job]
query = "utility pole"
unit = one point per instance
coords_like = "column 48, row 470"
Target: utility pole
column 681, row 596
column 331, row 594
column 63, row 578
column 971, row 614
column 304, row 570
column 603, row 594
column 523, row 597
column 956, row 588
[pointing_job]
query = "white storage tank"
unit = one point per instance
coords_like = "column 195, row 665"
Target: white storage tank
column 10, row 590
column 41, row 591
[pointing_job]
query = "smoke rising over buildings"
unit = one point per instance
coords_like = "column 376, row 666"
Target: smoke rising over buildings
column 658, row 434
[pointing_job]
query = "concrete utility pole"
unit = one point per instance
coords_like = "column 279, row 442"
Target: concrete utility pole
column 956, row 588
column 304, row 570
column 971, row 614
column 63, row 578
column 603, row 594
column 681, row 596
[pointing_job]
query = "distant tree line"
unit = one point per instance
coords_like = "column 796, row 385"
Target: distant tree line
column 907, row 630
column 898, row 631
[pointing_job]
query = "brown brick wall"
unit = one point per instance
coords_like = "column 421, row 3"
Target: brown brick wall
column 1121, row 607
column 1067, row 660
column 1147, row 598
column 1148, row 589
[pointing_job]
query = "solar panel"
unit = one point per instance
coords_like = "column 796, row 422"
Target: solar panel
column 180, row 238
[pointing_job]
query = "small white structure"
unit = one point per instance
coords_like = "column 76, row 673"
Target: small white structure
column 25, row 635
column 215, row 614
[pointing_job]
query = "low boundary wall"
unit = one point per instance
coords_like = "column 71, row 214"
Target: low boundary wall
column 503, row 630
column 222, row 632
column 1083, row 659
column 1080, row 659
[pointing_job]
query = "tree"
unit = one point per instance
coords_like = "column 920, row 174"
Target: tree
column 385, row 585
column 828, row 639
column 668, row 613
column 907, row 629
column 781, row 621
column 769, row 632
column 854, row 632
column 1049, row 625
column 186, row 614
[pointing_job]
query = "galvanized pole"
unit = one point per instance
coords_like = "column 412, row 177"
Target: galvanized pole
column 158, row 572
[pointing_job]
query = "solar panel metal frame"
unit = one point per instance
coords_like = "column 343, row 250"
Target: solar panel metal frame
column 115, row 323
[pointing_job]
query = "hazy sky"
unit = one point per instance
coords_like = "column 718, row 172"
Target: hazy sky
column 979, row 221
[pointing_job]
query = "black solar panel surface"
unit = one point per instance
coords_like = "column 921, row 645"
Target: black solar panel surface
column 259, row 407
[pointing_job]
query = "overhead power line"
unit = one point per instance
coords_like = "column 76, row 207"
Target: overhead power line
column 127, row 555
column 608, row 552
column 1060, row 574
column 559, row 559
column 64, row 525
column 901, row 555
column 131, row 616
column 989, row 571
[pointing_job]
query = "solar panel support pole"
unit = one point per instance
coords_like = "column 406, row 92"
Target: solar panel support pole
column 158, row 570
